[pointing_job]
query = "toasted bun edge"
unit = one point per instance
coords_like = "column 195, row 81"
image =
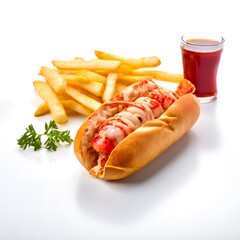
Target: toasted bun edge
column 146, row 143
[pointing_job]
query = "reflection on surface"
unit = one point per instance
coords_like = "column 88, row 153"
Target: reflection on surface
column 208, row 132
column 128, row 199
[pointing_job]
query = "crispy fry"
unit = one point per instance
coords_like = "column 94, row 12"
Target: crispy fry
column 132, row 79
column 83, row 98
column 159, row 75
column 75, row 77
column 42, row 109
column 77, row 107
column 152, row 61
column 92, row 76
column 87, row 65
column 81, row 86
column 110, row 87
column 95, row 88
column 54, row 79
column 64, row 96
column 119, row 87
column 88, row 75
column 68, row 71
column 125, row 69
column 70, row 106
column 49, row 96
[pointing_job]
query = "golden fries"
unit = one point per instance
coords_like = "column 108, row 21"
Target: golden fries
column 75, row 77
column 125, row 69
column 82, row 98
column 49, row 96
column 134, row 62
column 96, row 88
column 83, row 75
column 129, row 79
column 77, row 107
column 159, row 75
column 56, row 81
column 42, row 110
column 119, row 87
column 70, row 106
column 110, row 87
column 81, row 86
column 87, row 65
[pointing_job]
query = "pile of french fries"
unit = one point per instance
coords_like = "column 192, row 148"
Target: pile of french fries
column 81, row 86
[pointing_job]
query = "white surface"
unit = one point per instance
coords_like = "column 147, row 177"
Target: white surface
column 190, row 192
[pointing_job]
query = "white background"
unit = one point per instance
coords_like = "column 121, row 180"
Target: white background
column 190, row 192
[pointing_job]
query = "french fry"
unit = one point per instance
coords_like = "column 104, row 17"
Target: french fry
column 88, row 75
column 159, row 75
column 119, row 87
column 96, row 88
column 77, row 107
column 64, row 96
column 83, row 98
column 54, row 79
column 110, row 87
column 75, row 77
column 49, row 96
column 81, row 86
column 129, row 79
column 68, row 71
column 126, row 69
column 87, row 65
column 152, row 61
column 41, row 110
column 70, row 106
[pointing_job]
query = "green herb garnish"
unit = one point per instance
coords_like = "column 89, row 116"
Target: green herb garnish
column 32, row 139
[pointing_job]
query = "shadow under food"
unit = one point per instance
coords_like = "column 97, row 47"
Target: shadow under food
column 128, row 199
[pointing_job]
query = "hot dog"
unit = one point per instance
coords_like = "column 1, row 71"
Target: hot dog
column 134, row 127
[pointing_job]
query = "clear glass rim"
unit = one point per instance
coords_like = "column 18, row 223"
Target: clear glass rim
column 219, row 39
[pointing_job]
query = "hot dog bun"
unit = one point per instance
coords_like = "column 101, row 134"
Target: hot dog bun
column 144, row 144
column 154, row 137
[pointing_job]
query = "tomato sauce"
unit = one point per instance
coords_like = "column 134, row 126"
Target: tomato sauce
column 200, row 67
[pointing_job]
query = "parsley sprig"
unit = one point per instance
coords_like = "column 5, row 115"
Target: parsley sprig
column 32, row 139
